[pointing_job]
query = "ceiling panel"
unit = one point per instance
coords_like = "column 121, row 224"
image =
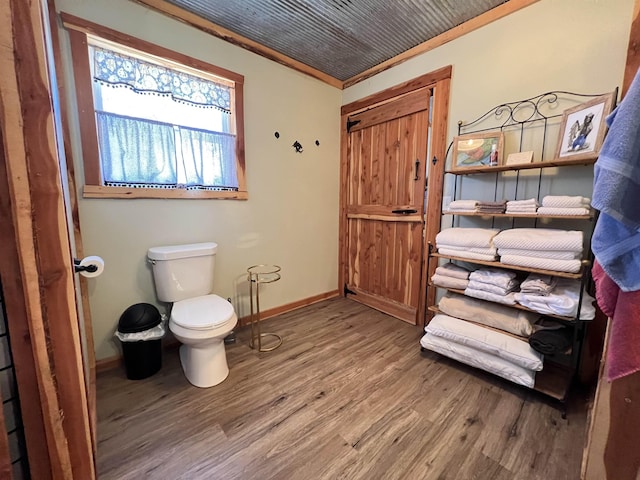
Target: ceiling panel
column 341, row 38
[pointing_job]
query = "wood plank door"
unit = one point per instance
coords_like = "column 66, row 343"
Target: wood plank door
column 386, row 155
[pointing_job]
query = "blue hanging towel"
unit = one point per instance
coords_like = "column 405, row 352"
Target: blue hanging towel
column 616, row 193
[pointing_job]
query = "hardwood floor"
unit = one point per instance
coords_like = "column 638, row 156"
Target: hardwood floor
column 348, row 395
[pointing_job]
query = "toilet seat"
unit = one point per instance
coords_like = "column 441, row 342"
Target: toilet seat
column 202, row 313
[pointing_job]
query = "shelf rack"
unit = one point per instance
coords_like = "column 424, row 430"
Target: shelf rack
column 528, row 123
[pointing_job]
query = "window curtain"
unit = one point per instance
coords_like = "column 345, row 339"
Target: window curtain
column 208, row 158
column 118, row 70
column 136, row 151
column 144, row 152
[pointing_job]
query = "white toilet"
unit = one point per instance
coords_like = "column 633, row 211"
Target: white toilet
column 183, row 275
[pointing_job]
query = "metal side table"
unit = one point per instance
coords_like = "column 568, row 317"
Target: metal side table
column 261, row 274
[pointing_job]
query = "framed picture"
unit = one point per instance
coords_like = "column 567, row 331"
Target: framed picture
column 475, row 150
column 582, row 129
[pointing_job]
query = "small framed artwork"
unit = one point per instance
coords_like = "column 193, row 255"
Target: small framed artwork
column 582, row 129
column 477, row 150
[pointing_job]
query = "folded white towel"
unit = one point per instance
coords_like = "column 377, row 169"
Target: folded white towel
column 483, row 251
column 565, row 201
column 571, row 266
column 488, row 287
column 540, row 239
column 522, row 203
column 555, row 254
column 568, row 211
column 459, row 210
column 467, row 237
column 508, row 299
column 463, row 204
column 449, row 282
column 467, row 254
column 522, row 208
column 453, row 270
column 563, row 300
column 494, row 276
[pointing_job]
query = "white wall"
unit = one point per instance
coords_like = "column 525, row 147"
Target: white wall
column 291, row 217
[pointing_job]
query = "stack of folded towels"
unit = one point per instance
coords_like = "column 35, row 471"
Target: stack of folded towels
column 451, row 276
column 492, row 284
column 471, row 243
column 463, row 206
column 522, row 206
column 564, row 205
column 491, row 207
column 542, row 248
column 562, row 299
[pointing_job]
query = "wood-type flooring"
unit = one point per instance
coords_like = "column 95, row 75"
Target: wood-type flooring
column 348, row 395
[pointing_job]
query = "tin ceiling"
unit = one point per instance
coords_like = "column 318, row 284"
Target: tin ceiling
column 341, row 38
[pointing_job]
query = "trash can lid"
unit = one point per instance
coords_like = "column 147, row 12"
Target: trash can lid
column 139, row 317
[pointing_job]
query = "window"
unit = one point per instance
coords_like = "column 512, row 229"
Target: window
column 155, row 123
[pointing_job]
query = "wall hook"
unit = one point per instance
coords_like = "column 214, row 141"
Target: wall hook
column 297, row 146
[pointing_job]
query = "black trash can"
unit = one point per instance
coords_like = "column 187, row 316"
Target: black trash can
column 142, row 358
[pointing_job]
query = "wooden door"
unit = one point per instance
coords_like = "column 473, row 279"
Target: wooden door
column 386, row 155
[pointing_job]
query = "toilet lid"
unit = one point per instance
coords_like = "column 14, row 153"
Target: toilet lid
column 201, row 313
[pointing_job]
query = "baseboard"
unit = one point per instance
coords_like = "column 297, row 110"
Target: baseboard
column 272, row 312
column 110, row 363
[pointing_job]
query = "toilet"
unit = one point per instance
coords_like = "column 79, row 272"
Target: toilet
column 200, row 320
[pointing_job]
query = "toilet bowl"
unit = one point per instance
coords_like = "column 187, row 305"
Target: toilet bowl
column 201, row 324
column 200, row 320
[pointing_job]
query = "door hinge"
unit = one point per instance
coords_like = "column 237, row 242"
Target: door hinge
column 351, row 124
column 347, row 291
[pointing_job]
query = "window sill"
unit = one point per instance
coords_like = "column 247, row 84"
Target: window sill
column 96, row 191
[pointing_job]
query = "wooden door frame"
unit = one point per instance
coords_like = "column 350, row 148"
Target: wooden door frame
column 35, row 256
column 439, row 81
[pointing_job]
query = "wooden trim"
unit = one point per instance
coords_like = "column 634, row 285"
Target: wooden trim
column 272, row 312
column 97, row 191
column 17, row 321
column 74, row 23
column 435, row 187
column 482, row 20
column 45, row 265
column 75, row 217
column 84, row 100
column 426, row 80
column 227, row 35
column 107, row 364
column 343, row 259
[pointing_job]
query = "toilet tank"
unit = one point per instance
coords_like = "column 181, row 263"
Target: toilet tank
column 183, row 271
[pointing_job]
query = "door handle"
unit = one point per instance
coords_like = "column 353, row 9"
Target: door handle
column 417, row 177
column 405, row 211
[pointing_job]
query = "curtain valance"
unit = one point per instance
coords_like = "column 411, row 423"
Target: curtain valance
column 119, row 70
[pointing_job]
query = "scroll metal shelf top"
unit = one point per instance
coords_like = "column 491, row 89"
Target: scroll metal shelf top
column 263, row 273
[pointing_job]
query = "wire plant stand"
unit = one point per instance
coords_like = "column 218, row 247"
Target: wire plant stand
column 258, row 274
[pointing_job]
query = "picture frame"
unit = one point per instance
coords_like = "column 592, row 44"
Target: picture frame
column 473, row 150
column 582, row 129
